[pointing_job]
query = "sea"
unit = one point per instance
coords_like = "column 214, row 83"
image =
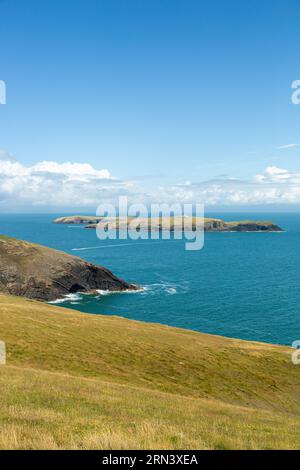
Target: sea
column 240, row 285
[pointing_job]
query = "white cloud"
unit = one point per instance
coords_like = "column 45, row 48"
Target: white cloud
column 69, row 185
column 273, row 174
column 72, row 171
column 56, row 184
column 287, row 146
column 273, row 186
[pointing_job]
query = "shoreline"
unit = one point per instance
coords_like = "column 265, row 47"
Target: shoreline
column 98, row 292
column 60, row 304
column 147, row 323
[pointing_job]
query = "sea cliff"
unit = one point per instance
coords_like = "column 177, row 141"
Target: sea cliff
column 41, row 273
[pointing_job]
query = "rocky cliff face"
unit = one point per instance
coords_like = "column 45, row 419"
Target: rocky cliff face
column 41, row 273
column 78, row 219
column 215, row 225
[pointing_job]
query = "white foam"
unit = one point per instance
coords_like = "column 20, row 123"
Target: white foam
column 171, row 290
column 67, row 298
column 126, row 291
column 166, row 287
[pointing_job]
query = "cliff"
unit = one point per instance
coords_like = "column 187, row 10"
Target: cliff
column 215, row 225
column 78, row 219
column 38, row 272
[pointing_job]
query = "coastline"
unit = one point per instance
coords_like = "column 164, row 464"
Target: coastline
column 178, row 293
column 96, row 294
column 76, row 299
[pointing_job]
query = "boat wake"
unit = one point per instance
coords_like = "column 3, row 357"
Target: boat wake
column 118, row 245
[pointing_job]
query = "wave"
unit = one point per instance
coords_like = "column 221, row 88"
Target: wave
column 113, row 292
column 73, row 298
column 167, row 287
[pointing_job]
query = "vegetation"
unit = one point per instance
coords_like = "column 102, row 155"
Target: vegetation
column 77, row 381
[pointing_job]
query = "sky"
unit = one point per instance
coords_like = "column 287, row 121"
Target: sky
column 160, row 100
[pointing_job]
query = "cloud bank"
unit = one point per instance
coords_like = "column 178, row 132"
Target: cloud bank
column 49, row 183
column 68, row 185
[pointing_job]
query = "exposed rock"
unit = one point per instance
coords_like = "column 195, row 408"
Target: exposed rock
column 215, row 225
column 252, row 226
column 38, row 272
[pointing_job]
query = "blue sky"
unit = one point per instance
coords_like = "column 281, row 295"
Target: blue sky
column 158, row 92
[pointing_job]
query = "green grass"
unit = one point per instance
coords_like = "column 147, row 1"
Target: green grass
column 245, row 222
column 75, row 380
column 5, row 238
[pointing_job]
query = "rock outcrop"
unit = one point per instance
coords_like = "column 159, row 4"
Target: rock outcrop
column 78, row 219
column 215, row 225
column 38, row 272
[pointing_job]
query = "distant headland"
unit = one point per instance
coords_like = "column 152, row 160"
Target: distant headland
column 174, row 223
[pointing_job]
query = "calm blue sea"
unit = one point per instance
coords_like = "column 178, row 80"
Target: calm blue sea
column 243, row 285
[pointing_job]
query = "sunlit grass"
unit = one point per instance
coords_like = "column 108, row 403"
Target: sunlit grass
column 75, row 381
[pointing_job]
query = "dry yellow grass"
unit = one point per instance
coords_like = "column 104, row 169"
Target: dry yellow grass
column 79, row 381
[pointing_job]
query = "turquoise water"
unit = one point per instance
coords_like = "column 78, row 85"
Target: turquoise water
column 243, row 285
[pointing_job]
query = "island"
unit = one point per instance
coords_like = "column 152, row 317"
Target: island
column 41, row 273
column 176, row 223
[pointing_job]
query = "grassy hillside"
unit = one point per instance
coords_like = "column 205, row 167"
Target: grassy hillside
column 74, row 380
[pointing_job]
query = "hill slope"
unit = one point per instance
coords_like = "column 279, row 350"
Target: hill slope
column 38, row 272
column 74, row 380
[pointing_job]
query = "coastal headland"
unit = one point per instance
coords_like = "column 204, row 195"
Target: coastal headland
column 42, row 273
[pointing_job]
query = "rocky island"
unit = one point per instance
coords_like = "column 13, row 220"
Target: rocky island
column 174, row 223
column 38, row 272
column 78, row 219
